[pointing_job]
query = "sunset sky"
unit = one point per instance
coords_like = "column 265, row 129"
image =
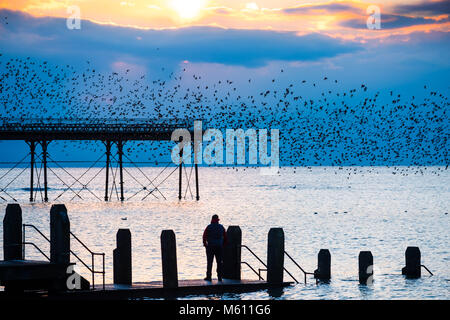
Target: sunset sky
column 344, row 18
column 311, row 38
column 258, row 46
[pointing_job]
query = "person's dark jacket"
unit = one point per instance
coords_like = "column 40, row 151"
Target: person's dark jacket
column 214, row 234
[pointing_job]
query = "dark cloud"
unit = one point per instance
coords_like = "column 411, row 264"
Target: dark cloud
column 391, row 21
column 49, row 37
column 433, row 8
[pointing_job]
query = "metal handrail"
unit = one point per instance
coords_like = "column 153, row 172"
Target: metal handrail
column 295, row 262
column 93, row 254
column 91, row 269
column 39, row 231
column 24, row 242
column 38, row 249
column 257, row 273
column 426, row 269
column 244, row 246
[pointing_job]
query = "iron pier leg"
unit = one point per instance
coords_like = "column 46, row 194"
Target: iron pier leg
column 120, row 150
column 32, row 149
column 196, row 182
column 180, row 176
column 108, row 154
column 44, row 161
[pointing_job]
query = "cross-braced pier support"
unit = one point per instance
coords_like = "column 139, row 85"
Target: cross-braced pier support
column 32, row 145
column 38, row 167
column 108, row 161
column 197, row 195
column 44, row 145
column 120, row 152
column 41, row 162
column 180, row 176
column 44, row 154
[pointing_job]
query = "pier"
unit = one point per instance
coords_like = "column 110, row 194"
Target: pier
column 55, row 278
column 41, row 132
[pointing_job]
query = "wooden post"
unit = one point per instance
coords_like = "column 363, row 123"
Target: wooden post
column 412, row 269
column 232, row 254
column 122, row 258
column 323, row 271
column 169, row 259
column 12, row 232
column 365, row 262
column 59, row 235
column 275, row 255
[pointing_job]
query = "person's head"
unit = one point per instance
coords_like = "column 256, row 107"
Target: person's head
column 215, row 218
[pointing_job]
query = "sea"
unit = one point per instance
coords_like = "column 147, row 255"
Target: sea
column 343, row 209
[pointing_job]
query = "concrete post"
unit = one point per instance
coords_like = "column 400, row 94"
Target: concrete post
column 323, row 271
column 413, row 266
column 122, row 258
column 232, row 254
column 59, row 234
column 365, row 261
column 12, row 232
column 275, row 255
column 169, row 259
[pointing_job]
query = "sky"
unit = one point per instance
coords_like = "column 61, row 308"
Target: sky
column 231, row 35
column 344, row 18
column 286, row 40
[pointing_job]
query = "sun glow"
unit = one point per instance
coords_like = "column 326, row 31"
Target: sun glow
column 188, row 9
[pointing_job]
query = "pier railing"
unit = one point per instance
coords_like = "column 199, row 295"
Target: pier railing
column 257, row 258
column 305, row 273
column 91, row 268
column 258, row 273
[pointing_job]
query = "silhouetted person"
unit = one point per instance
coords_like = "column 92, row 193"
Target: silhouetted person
column 214, row 237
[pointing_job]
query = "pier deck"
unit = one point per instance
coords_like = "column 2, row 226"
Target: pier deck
column 155, row 289
column 19, row 270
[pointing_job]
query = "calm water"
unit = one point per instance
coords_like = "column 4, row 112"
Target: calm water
column 345, row 210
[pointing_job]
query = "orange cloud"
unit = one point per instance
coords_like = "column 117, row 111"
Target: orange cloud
column 337, row 18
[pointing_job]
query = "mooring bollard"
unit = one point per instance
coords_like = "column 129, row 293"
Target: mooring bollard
column 169, row 259
column 59, row 235
column 323, row 271
column 275, row 255
column 365, row 261
column 122, row 258
column 12, row 232
column 232, row 254
column 413, row 266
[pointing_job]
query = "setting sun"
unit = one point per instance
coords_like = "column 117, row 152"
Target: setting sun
column 188, row 9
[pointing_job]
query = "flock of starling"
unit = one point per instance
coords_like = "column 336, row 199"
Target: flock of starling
column 335, row 126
